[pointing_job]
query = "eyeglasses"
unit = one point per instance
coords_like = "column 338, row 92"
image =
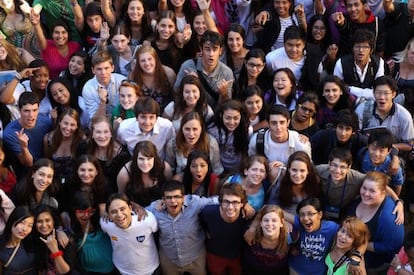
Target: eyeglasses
column 86, row 212
column 378, row 92
column 254, row 65
column 175, row 197
column 361, row 47
column 308, row 214
column 336, row 166
column 227, row 203
column 306, row 109
column 317, row 28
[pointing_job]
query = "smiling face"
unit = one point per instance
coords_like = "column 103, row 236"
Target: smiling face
column 42, row 178
column 344, row 239
column 298, row 172
column 199, row 24
column 87, row 173
column 135, row 11
column 3, row 52
column 166, row 28
column 68, row 126
column 310, row 218
column 173, row 200
column 40, row 79
column 371, row 194
column 120, row 213
column 127, row 97
column 338, row 170
column 60, row 36
column 76, row 65
column 191, row 94
column 377, row 154
column 278, row 126
column 44, row 223
column 235, row 41
column 282, row 84
column 231, row 119
column 192, row 131
column 83, row 216
column 332, row 93
column 22, row 229
column 355, row 10
column 254, row 66
column 230, row 207
column 271, row 224
column 254, row 105
column 177, row 3
column 383, row 98
column 198, row 169
column 282, row 7
column 146, row 122
column 256, row 173
column 147, row 63
column 145, row 164
column 318, row 30
column 101, row 134
column 60, row 93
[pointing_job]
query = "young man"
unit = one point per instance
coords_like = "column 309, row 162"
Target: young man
column 345, row 134
column 341, row 185
column 181, row 237
column 215, row 76
column 360, row 68
column 134, row 249
column 23, row 138
column 147, row 125
column 225, row 226
column 385, row 113
column 101, row 92
column 377, row 157
column 302, row 59
column 278, row 142
column 358, row 16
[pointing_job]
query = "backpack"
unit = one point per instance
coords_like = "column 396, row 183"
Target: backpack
column 260, row 142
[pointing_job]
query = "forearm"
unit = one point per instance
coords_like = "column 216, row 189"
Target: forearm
column 78, row 14
column 40, row 37
column 25, row 157
column 211, row 25
column 108, row 13
column 61, row 266
column 6, row 96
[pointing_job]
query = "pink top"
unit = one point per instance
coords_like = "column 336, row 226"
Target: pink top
column 57, row 62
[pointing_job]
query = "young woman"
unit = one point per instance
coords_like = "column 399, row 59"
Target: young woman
column 89, row 178
column 50, row 257
column 13, row 58
column 154, row 78
column 284, row 89
column 60, row 98
column 198, row 175
column 333, row 96
column 252, row 98
column 111, row 155
column 190, row 97
column 167, row 43
column 299, row 182
column 94, row 250
column 375, row 209
column 78, row 71
column 182, row 10
column 198, row 27
column 352, row 235
column 39, row 186
column 16, row 249
column 129, row 92
column 55, row 52
column 235, row 52
column 303, row 118
column 142, row 177
column 38, row 80
column 192, row 136
column 269, row 253
column 231, row 130
column 252, row 72
column 253, row 179
column 64, row 144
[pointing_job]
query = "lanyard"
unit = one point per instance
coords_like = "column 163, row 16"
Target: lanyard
column 343, row 191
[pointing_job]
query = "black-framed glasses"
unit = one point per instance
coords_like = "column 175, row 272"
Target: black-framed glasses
column 308, row 214
column 306, row 109
column 175, row 197
column 227, row 203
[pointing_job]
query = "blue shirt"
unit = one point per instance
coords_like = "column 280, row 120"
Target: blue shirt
column 182, row 237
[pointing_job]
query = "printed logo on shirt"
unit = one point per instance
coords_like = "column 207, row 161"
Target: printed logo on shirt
column 114, row 238
column 140, row 239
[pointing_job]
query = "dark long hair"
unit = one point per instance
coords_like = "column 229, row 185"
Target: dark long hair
column 262, row 79
column 311, row 185
column 79, row 82
column 81, row 201
column 345, row 100
column 145, row 21
column 180, row 104
column 74, row 98
column 19, row 214
column 188, row 177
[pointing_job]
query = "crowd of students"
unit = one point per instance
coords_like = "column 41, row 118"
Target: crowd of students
column 206, row 137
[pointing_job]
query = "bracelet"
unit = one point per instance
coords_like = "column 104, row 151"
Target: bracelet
column 357, row 254
column 397, row 268
column 74, row 4
column 354, row 262
column 399, row 200
column 56, row 254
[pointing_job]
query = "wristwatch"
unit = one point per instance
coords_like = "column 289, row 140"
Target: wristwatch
column 397, row 268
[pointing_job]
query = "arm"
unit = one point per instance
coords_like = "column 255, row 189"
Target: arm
column 122, row 179
column 204, row 6
column 25, row 55
column 162, row 5
column 78, row 14
column 399, row 206
column 108, row 12
column 25, row 157
column 41, row 39
column 61, row 266
column 388, row 6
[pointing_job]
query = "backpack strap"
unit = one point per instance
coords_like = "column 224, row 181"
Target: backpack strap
column 212, row 183
column 260, row 142
column 205, row 84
